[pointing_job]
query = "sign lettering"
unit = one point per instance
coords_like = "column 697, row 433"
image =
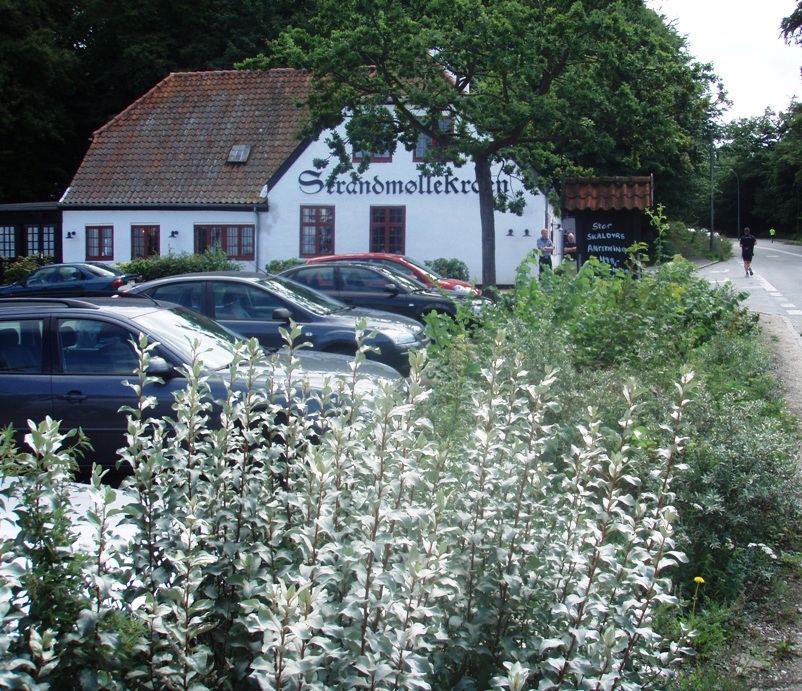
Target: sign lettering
column 310, row 182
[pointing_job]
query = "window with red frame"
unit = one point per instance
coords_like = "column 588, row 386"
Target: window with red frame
column 384, row 157
column 144, row 241
column 237, row 241
column 425, row 142
column 99, row 243
column 317, row 230
column 388, row 228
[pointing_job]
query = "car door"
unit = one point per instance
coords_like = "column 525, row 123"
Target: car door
column 25, row 378
column 93, row 360
column 250, row 311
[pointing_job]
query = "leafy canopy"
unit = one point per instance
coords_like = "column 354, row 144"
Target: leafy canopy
column 544, row 88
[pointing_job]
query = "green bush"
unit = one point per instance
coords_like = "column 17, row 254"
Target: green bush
column 276, row 266
column 17, row 269
column 450, row 268
column 249, row 557
column 173, row 264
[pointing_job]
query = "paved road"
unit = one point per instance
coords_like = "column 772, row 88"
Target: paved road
column 775, row 288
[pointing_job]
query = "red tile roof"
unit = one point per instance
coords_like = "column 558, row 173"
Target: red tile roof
column 172, row 145
column 607, row 193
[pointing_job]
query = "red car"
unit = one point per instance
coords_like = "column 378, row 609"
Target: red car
column 406, row 266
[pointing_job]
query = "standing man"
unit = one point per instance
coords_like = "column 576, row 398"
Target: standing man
column 748, row 250
column 569, row 247
column 771, row 232
column 546, row 247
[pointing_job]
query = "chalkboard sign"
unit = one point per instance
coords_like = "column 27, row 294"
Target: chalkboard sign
column 608, row 240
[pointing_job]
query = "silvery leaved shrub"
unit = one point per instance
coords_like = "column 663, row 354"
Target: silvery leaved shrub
column 262, row 546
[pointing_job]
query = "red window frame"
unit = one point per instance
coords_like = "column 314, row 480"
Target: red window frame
column 99, row 243
column 238, row 241
column 144, row 242
column 388, row 229
column 425, row 141
column 384, row 157
column 317, row 231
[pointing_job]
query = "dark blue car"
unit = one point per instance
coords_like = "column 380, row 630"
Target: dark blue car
column 70, row 358
column 63, row 280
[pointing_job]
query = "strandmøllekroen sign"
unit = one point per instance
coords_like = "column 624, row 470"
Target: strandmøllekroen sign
column 310, row 183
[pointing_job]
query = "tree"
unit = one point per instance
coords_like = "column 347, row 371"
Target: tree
column 66, row 68
column 543, row 87
column 36, row 71
column 791, row 26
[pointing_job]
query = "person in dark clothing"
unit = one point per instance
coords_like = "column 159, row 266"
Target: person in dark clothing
column 748, row 251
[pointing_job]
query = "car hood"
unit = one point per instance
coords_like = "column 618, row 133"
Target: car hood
column 376, row 320
column 316, row 369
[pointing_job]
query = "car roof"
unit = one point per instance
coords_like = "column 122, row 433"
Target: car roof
column 355, row 255
column 234, row 275
column 127, row 306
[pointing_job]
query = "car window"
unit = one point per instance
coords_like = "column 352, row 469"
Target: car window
column 21, row 346
column 185, row 294
column 102, row 271
column 67, row 274
column 299, row 290
column 41, row 276
column 400, row 268
column 92, row 346
column 359, row 279
column 241, row 301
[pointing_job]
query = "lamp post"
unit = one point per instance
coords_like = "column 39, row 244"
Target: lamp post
column 738, row 198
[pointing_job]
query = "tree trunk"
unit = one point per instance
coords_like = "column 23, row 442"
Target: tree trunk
column 487, row 220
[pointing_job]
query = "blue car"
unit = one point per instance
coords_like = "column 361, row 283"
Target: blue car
column 259, row 305
column 70, row 358
column 64, row 280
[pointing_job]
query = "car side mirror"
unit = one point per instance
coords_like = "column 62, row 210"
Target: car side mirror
column 282, row 314
column 159, row 367
column 391, row 288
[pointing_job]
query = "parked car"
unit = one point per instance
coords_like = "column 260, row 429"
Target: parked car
column 377, row 287
column 78, row 279
column 405, row 265
column 69, row 358
column 258, row 305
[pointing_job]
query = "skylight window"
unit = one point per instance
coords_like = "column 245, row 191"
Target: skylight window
column 239, row 153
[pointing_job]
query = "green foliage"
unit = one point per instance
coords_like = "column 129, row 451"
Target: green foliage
column 569, row 111
column 17, row 269
column 450, row 268
column 276, row 266
column 247, row 556
column 517, row 518
column 173, row 264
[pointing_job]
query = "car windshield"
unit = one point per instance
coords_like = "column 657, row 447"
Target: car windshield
column 303, row 296
column 180, row 329
column 405, row 281
column 431, row 273
column 100, row 270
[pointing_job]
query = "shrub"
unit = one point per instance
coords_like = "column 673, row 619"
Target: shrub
column 173, row 264
column 250, row 557
column 276, row 266
column 450, row 268
column 16, row 269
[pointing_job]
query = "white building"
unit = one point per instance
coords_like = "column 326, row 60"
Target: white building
column 215, row 159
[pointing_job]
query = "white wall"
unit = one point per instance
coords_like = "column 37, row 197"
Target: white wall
column 442, row 218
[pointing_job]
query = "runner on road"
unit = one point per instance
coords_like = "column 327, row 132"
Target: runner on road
column 748, row 250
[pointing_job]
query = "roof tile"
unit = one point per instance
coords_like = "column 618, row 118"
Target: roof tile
column 607, row 193
column 171, row 146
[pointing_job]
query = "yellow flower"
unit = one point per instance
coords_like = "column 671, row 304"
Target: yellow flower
column 698, row 579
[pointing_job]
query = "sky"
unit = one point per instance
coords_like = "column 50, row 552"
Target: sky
column 742, row 40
